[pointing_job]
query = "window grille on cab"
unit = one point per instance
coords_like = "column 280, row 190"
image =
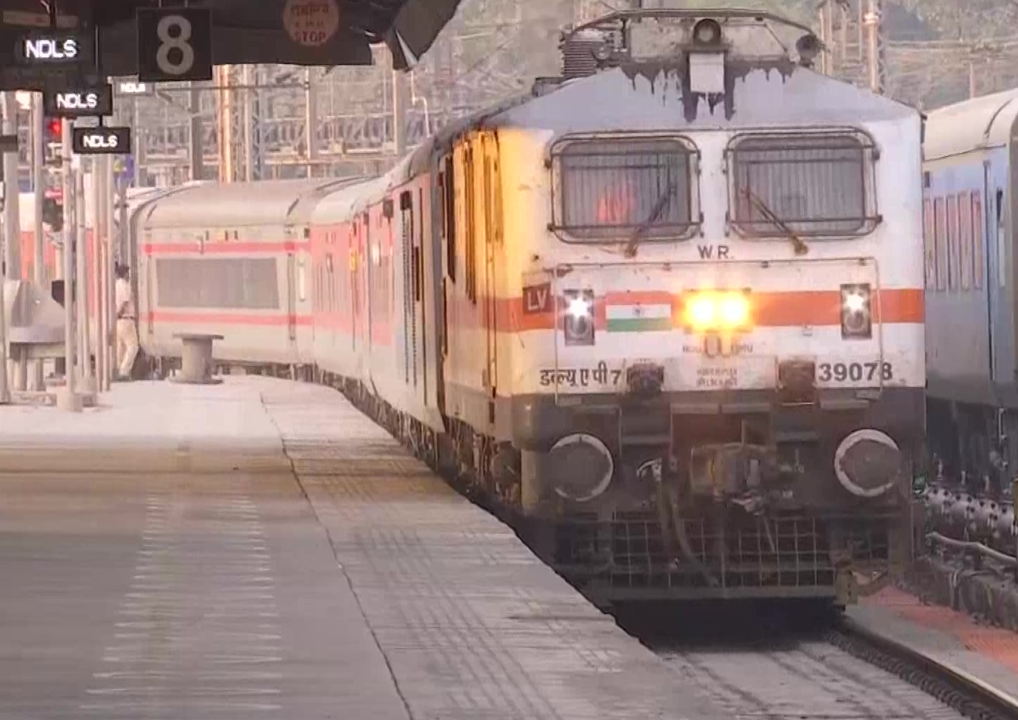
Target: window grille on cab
column 813, row 185
column 609, row 188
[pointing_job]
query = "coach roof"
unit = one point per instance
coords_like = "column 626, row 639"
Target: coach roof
column 265, row 202
column 982, row 122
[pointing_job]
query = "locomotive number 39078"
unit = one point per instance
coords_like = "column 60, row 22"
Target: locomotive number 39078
column 854, row 372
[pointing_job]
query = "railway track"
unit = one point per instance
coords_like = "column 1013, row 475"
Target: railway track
column 967, row 695
column 811, row 669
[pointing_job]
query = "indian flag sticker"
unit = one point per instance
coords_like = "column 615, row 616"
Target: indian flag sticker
column 638, row 311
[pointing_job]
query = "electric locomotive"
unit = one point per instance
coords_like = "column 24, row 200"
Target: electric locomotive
column 702, row 362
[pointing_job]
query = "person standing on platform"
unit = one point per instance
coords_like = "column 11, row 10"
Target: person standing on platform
column 127, row 330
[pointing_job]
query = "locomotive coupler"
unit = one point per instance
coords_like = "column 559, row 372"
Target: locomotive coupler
column 645, row 379
column 726, row 470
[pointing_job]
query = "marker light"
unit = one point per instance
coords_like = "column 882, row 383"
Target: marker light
column 856, row 320
column 717, row 311
column 578, row 319
column 854, row 302
column 579, row 308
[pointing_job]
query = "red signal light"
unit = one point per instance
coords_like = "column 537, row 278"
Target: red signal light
column 55, row 128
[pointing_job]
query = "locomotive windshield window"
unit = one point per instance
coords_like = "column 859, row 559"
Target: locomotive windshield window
column 807, row 185
column 613, row 187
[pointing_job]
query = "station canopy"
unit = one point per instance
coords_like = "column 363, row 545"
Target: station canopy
column 293, row 32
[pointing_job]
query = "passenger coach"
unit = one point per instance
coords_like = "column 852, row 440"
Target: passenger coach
column 970, row 210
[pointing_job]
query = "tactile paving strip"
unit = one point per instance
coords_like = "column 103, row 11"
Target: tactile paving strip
column 471, row 622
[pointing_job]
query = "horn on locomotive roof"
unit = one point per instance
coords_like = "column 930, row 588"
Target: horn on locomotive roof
column 607, row 40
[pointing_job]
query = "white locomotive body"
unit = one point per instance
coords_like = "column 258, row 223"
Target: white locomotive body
column 667, row 309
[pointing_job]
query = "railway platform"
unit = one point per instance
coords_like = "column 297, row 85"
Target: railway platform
column 944, row 635
column 259, row 548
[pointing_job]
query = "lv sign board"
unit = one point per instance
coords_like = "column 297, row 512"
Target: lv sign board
column 73, row 103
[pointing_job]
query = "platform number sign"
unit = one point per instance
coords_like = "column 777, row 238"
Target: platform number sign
column 174, row 44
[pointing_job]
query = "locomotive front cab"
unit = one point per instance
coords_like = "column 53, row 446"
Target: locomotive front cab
column 730, row 400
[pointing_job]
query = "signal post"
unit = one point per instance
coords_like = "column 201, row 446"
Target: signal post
column 8, row 146
column 69, row 399
column 38, row 186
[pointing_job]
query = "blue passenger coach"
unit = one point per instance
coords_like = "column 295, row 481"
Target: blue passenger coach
column 969, row 208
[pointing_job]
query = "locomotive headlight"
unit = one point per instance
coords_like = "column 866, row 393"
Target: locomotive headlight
column 734, row 311
column 701, row 312
column 856, row 319
column 725, row 311
column 578, row 319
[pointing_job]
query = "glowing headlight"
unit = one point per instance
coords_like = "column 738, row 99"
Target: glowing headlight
column 734, row 310
column 701, row 311
column 717, row 311
column 856, row 320
column 579, row 308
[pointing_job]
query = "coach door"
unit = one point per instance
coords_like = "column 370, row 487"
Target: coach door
column 1001, row 351
column 354, row 263
column 492, row 243
column 411, row 230
column 291, row 286
column 412, row 239
column 446, row 228
column 367, row 277
column 92, row 253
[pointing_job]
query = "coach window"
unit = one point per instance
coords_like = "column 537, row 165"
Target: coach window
column 929, row 243
column 965, row 238
column 977, row 240
column 940, row 238
column 607, row 188
column 953, row 237
column 804, row 184
column 302, row 286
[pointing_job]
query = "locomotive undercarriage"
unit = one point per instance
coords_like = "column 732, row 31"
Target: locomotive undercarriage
column 725, row 497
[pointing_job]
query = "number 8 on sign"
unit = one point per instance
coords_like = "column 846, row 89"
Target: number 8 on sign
column 174, row 44
column 174, row 34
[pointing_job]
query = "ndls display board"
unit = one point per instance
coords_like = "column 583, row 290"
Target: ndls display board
column 101, row 140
